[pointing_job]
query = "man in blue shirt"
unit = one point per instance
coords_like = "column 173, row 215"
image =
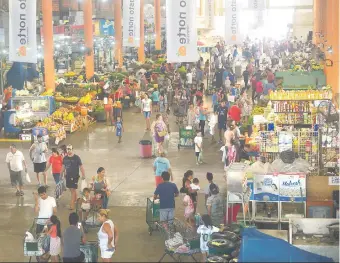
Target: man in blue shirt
column 222, row 112
column 268, row 87
column 160, row 165
column 166, row 192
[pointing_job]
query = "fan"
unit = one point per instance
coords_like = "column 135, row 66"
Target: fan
column 330, row 114
column 149, row 11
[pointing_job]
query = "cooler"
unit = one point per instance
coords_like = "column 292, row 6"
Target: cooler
column 145, row 148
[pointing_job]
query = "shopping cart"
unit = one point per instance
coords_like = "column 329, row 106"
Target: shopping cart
column 90, row 250
column 180, row 240
column 186, row 137
column 152, row 214
column 37, row 243
column 89, row 218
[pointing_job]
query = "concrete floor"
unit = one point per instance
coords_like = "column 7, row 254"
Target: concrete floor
column 132, row 180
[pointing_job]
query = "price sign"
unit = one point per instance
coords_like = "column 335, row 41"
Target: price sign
column 333, row 180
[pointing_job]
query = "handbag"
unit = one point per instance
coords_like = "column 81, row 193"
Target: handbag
column 162, row 133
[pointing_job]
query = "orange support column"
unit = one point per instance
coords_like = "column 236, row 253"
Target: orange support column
column 48, row 44
column 332, row 37
column 141, row 51
column 88, row 32
column 118, row 32
column 158, row 24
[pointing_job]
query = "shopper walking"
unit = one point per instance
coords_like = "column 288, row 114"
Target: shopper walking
column 107, row 236
column 215, row 205
column 71, row 166
column 56, row 161
column 73, row 236
column 44, row 205
column 146, row 110
column 16, row 163
column 202, row 118
column 222, row 111
column 100, row 186
column 159, row 132
column 37, row 153
column 166, row 193
column 160, row 165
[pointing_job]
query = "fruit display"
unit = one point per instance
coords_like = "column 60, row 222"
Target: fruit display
column 257, row 110
column 325, row 94
column 66, row 99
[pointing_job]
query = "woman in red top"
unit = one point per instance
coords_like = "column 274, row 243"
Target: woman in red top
column 235, row 113
column 57, row 162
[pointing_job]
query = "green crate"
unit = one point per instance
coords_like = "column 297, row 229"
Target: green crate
column 187, row 134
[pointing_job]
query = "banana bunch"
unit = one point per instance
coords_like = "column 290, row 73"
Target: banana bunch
column 257, row 110
column 85, row 100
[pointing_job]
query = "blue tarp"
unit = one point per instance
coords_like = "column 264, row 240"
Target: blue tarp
column 259, row 247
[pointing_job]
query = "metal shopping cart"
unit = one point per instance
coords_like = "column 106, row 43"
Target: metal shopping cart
column 186, row 137
column 180, row 240
column 90, row 250
column 152, row 214
column 36, row 243
column 89, row 218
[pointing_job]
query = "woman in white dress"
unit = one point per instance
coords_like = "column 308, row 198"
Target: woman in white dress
column 107, row 236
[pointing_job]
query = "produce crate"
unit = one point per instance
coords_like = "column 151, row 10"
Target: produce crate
column 70, row 128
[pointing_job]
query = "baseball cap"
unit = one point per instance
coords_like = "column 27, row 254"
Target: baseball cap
column 214, row 190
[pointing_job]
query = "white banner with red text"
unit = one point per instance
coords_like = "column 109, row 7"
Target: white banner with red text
column 233, row 35
column 22, row 31
column 131, row 23
column 181, row 31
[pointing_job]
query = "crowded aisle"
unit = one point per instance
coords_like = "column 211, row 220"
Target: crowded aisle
column 179, row 130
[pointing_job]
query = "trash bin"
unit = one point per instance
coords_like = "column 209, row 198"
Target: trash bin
column 145, row 147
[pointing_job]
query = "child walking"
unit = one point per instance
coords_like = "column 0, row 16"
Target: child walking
column 119, row 129
column 55, row 234
column 198, row 148
column 205, row 231
column 189, row 209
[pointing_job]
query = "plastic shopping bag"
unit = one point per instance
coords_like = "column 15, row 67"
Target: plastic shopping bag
column 28, row 179
column 83, row 185
column 59, row 189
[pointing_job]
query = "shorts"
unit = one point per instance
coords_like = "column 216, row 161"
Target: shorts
column 72, row 182
column 215, row 107
column 54, row 246
column 197, row 154
column 166, row 214
column 155, row 103
column 158, row 180
column 39, row 167
column 104, row 253
column 16, row 178
column 222, row 126
column 147, row 114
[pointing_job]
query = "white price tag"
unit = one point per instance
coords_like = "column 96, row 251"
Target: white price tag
column 333, row 180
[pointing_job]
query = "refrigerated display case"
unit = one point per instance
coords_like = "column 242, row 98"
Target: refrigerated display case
column 41, row 106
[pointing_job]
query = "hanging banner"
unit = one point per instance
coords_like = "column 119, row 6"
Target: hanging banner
column 181, row 31
column 131, row 23
column 210, row 13
column 22, row 31
column 233, row 34
column 258, row 7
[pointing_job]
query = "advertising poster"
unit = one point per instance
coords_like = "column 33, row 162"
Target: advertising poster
column 210, row 13
column 181, row 31
column 292, row 187
column 258, row 7
column 22, row 31
column 131, row 23
column 266, row 188
column 233, row 10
